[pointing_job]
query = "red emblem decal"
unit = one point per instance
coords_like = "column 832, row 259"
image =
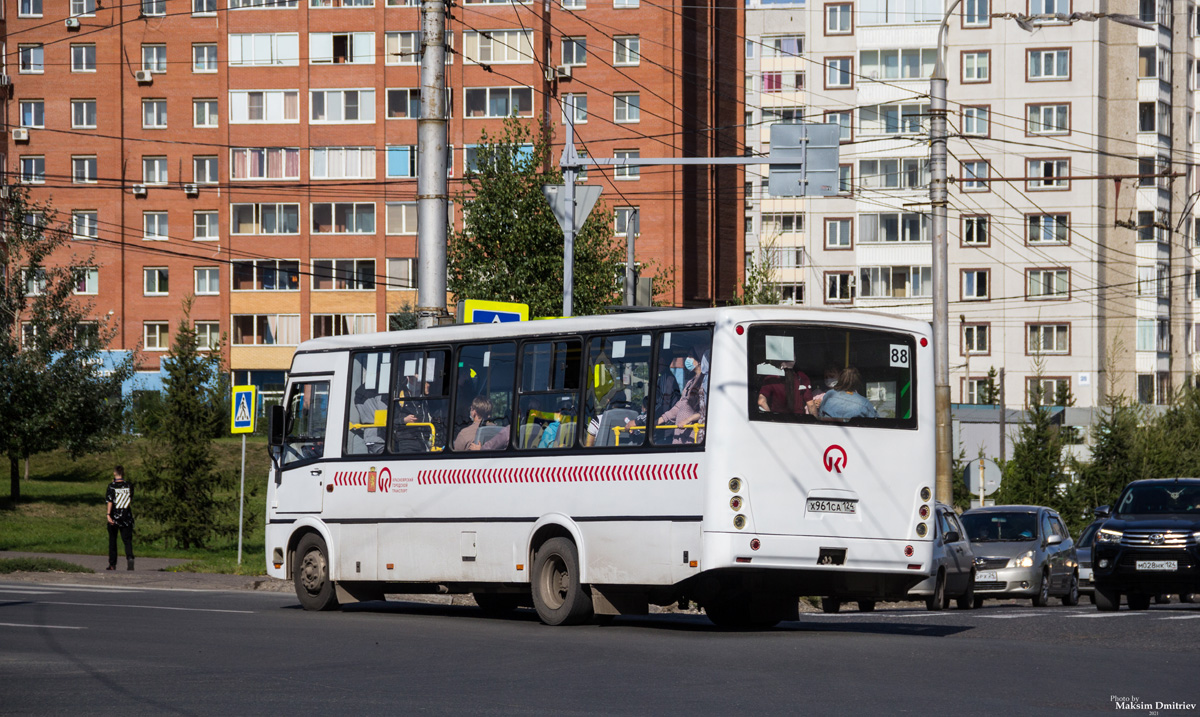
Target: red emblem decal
column 835, row 458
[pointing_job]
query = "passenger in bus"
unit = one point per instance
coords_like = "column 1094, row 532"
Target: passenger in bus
column 845, row 400
column 784, row 389
column 670, row 383
column 688, row 413
column 480, row 412
column 409, row 438
column 829, row 379
column 369, row 439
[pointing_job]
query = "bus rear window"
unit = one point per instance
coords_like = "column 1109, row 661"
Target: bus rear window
column 829, row 374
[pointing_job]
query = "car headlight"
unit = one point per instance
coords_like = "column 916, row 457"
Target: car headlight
column 1024, row 560
column 1108, row 536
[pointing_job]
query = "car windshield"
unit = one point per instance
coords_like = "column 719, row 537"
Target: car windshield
column 1159, row 499
column 1085, row 538
column 994, row 527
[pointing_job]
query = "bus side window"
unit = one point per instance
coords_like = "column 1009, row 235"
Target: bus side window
column 617, row 400
column 370, row 378
column 484, row 378
column 685, row 421
column 421, row 401
column 547, row 407
column 307, row 413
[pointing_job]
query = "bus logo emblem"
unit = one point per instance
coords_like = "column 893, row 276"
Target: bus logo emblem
column 835, row 458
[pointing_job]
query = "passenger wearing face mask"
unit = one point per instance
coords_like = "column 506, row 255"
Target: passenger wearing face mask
column 690, row 410
column 830, row 379
column 670, row 383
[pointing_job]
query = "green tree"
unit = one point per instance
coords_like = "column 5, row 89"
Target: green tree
column 511, row 246
column 182, row 487
column 54, row 385
column 989, row 392
column 1036, row 471
column 1118, row 442
column 759, row 287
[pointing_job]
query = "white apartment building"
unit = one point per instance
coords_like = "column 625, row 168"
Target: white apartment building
column 1070, row 263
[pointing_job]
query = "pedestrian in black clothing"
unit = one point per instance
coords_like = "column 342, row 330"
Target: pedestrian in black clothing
column 119, row 500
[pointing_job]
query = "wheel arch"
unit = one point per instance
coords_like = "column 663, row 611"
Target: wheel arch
column 306, row 526
column 556, row 525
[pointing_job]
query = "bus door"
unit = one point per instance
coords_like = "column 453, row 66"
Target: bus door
column 301, row 481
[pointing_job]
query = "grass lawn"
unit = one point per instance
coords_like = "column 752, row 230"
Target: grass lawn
column 62, row 507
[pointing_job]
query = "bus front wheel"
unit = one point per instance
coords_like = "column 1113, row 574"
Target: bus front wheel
column 558, row 596
column 313, row 586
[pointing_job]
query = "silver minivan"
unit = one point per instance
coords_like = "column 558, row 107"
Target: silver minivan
column 1022, row 551
column 952, row 573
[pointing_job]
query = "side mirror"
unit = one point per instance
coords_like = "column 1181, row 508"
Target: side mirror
column 953, row 536
column 275, row 426
column 1102, row 512
column 1054, row 540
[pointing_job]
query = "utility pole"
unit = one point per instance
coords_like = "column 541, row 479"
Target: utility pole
column 630, row 274
column 432, row 191
column 569, row 167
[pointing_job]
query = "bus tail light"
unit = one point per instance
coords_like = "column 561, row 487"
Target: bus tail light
column 739, row 521
column 908, row 551
column 736, row 502
column 755, row 544
column 735, row 485
column 922, row 529
column 743, row 560
column 740, row 329
column 923, row 512
column 926, row 494
column 914, row 566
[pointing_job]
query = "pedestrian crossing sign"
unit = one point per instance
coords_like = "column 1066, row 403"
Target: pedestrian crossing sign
column 245, row 399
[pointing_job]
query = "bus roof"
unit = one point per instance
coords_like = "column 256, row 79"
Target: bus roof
column 610, row 322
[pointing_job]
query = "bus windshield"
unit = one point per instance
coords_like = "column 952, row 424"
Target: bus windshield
column 829, row 374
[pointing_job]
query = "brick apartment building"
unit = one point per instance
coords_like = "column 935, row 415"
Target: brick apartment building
column 260, row 154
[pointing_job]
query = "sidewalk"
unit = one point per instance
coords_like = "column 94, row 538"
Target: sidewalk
column 149, row 573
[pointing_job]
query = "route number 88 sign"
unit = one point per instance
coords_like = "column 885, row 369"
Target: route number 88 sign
column 898, row 355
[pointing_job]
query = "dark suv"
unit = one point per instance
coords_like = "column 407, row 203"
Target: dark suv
column 1149, row 543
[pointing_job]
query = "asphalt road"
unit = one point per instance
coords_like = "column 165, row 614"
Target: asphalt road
column 88, row 649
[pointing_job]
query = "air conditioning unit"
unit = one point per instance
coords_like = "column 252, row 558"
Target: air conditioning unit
column 143, row 77
column 5, row 81
column 20, row 134
column 72, row 23
column 4, row 192
column 562, row 72
column 191, row 190
column 138, row 190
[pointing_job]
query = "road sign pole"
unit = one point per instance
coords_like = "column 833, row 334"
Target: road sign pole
column 569, row 229
column 242, row 500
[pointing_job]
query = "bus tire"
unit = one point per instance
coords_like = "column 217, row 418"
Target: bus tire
column 314, row 589
column 558, row 596
column 866, row 606
column 830, row 605
column 497, row 604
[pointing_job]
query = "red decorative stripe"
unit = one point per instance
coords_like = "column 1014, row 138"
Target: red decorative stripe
column 576, row 474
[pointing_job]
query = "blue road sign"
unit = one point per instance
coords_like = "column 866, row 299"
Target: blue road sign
column 476, row 311
column 244, row 401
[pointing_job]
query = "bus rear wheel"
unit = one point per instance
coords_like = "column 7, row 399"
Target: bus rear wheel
column 558, row 596
column 314, row 589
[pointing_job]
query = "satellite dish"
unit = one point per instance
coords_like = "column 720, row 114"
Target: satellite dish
column 991, row 476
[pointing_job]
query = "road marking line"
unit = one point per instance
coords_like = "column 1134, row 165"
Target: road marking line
column 1014, row 615
column 30, row 592
column 50, row 627
column 145, row 607
column 1107, row 614
column 1181, row 617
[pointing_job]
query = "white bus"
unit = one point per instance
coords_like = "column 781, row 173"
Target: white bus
column 599, row 465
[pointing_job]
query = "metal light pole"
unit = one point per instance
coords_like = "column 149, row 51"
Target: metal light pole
column 431, row 175
column 941, row 289
column 569, row 171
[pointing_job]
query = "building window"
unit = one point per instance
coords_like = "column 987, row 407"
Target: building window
column 782, row 45
column 154, row 226
column 976, row 66
column 402, row 274
column 1047, row 284
column 845, row 120
column 208, row 281
column 626, row 4
column 342, row 324
column 338, row 48
column 204, row 113
column 31, row 59
column 85, row 224
column 343, row 162
column 897, row 64
column 975, row 339
column 33, row 169
column 1047, row 228
column 779, row 223
column 83, row 114
column 1049, row 65
column 839, row 19
column 404, row 103
column 29, row 8
column 401, row 218
column 155, row 335
column 262, row 49
column 627, row 50
column 343, row 274
column 975, row 283
column 1048, row 119
column 894, row 173
column 266, row 218
column 627, row 107
column 269, row 106
column 1153, row 280
column 204, row 170
column 839, row 233
column 889, row 227
column 498, row 102
column 33, row 113
column 402, row 161
column 254, row 163
column 894, row 119
column 839, row 287
column 976, row 13
column 975, row 231
column 839, row 73
column 772, row 81
column 1047, row 391
column 1153, row 335
column 973, row 173
column 154, row 170
column 204, row 7
column 976, row 121
column 154, row 7
column 627, row 171
column 155, row 281
column 154, row 58
column 895, row 282
column 266, row 329
column 342, row 105
column 266, row 275
column 205, row 226
column 88, row 282
column 83, row 58
column 204, row 58
column 154, row 114
column 1051, row 173
column 208, row 335
column 1048, row 339
column 498, row 47
column 261, row 4
column 980, row 391
column 343, row 218
column 83, row 170
column 574, row 51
